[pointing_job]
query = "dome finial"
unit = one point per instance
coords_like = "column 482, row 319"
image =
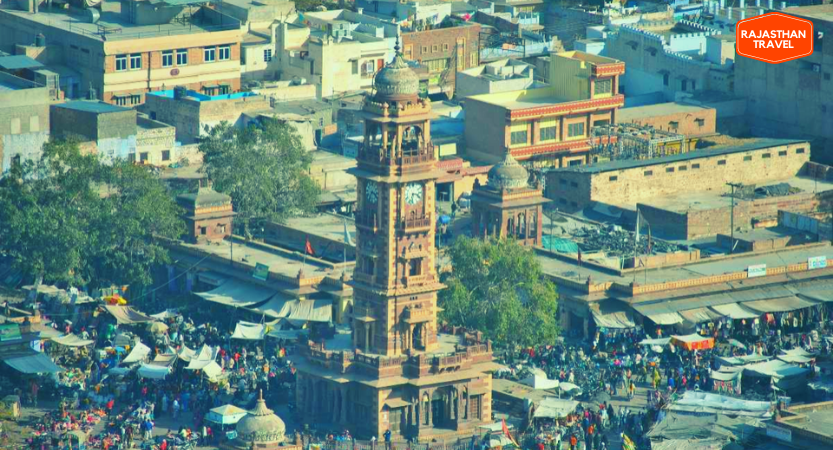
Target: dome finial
column 396, row 47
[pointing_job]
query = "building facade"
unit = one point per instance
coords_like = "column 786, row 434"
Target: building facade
column 442, row 52
column 399, row 374
column 24, row 120
column 135, row 48
column 549, row 126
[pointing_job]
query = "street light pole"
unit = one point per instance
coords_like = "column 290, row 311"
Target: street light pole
column 732, row 217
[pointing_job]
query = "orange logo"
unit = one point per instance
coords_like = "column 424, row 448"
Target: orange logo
column 774, row 38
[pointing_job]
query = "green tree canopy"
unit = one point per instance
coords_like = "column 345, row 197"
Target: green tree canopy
column 496, row 286
column 70, row 218
column 265, row 171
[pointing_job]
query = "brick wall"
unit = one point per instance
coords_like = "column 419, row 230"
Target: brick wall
column 420, row 46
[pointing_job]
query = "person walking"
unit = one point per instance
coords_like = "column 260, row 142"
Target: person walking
column 573, row 442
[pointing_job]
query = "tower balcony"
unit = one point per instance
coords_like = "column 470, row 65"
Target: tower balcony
column 414, row 224
column 377, row 155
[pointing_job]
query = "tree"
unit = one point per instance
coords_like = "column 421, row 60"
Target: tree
column 497, row 287
column 264, row 169
column 70, row 218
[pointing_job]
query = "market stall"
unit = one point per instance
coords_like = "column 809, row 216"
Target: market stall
column 693, row 342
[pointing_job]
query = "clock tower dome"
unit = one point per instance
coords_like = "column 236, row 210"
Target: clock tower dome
column 395, row 281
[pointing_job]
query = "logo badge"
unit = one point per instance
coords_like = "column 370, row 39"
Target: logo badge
column 774, row 38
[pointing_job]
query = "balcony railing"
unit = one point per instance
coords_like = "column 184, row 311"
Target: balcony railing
column 376, row 155
column 415, row 224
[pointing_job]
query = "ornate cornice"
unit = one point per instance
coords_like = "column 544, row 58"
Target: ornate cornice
column 616, row 101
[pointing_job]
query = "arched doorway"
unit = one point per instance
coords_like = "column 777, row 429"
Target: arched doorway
column 438, row 416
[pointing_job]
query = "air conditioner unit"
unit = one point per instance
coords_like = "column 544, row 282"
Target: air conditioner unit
column 816, row 68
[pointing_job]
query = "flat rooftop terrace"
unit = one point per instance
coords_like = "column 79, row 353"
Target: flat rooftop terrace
column 707, row 200
column 328, row 226
column 705, row 268
column 635, row 113
column 283, row 263
column 111, row 26
column 517, row 100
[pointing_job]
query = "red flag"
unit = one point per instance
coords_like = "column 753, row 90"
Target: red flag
column 506, row 432
column 308, row 248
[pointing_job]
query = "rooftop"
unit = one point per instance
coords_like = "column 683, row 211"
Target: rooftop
column 194, row 95
column 302, row 107
column 16, row 62
column 112, row 25
column 756, row 144
column 94, row 107
column 820, row 12
column 635, row 113
column 705, row 268
column 516, row 100
column 328, row 226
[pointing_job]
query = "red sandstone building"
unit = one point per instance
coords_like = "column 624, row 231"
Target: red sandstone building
column 550, row 126
column 208, row 215
column 441, row 53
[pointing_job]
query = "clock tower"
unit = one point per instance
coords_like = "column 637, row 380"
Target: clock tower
column 395, row 281
column 393, row 371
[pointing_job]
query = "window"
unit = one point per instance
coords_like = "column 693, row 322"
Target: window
column 682, row 168
column 700, row 122
column 135, row 61
column 613, row 178
column 695, row 166
column 424, row 49
column 131, row 157
column 209, row 54
column 648, row 173
column 355, row 70
column 574, row 204
column 684, row 85
column 445, row 47
column 603, row 87
column 135, row 99
column 435, row 48
column 575, row 129
column 225, row 89
column 669, row 169
column 573, row 184
column 518, row 137
column 562, row 181
column 747, row 158
column 168, row 58
column 121, row 62
column 782, row 153
column 368, row 68
column 766, row 155
column 693, row 85
column 474, row 406
column 120, row 101
column 181, row 57
column 562, row 201
column 473, row 60
column 666, row 78
column 16, row 125
column 415, row 267
column 225, row 53
column 144, row 156
column 601, row 123
column 673, row 125
column 575, row 162
column 548, row 133
column 437, row 65
column 799, row 151
column 267, row 55
column 203, row 230
column 722, row 162
column 166, row 155
column 827, row 76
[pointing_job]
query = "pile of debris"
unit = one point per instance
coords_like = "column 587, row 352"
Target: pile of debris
column 616, row 241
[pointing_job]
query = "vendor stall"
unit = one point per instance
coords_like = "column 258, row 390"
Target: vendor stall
column 693, row 342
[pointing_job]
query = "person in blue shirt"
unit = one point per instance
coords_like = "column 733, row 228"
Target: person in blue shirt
column 387, row 439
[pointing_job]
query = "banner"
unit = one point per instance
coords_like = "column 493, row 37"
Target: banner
column 9, row 332
column 261, row 271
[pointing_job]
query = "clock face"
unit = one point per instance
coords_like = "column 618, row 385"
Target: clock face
column 413, row 193
column 371, row 191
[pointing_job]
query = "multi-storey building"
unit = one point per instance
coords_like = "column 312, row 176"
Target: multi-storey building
column 397, row 373
column 793, row 99
column 126, row 49
column 442, row 51
column 24, row 120
column 550, row 125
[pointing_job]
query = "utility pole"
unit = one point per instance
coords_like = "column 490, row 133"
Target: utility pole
column 732, row 217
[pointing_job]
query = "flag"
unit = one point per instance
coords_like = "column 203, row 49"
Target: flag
column 347, row 239
column 308, row 249
column 627, row 443
column 506, row 432
column 579, row 257
column 650, row 244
